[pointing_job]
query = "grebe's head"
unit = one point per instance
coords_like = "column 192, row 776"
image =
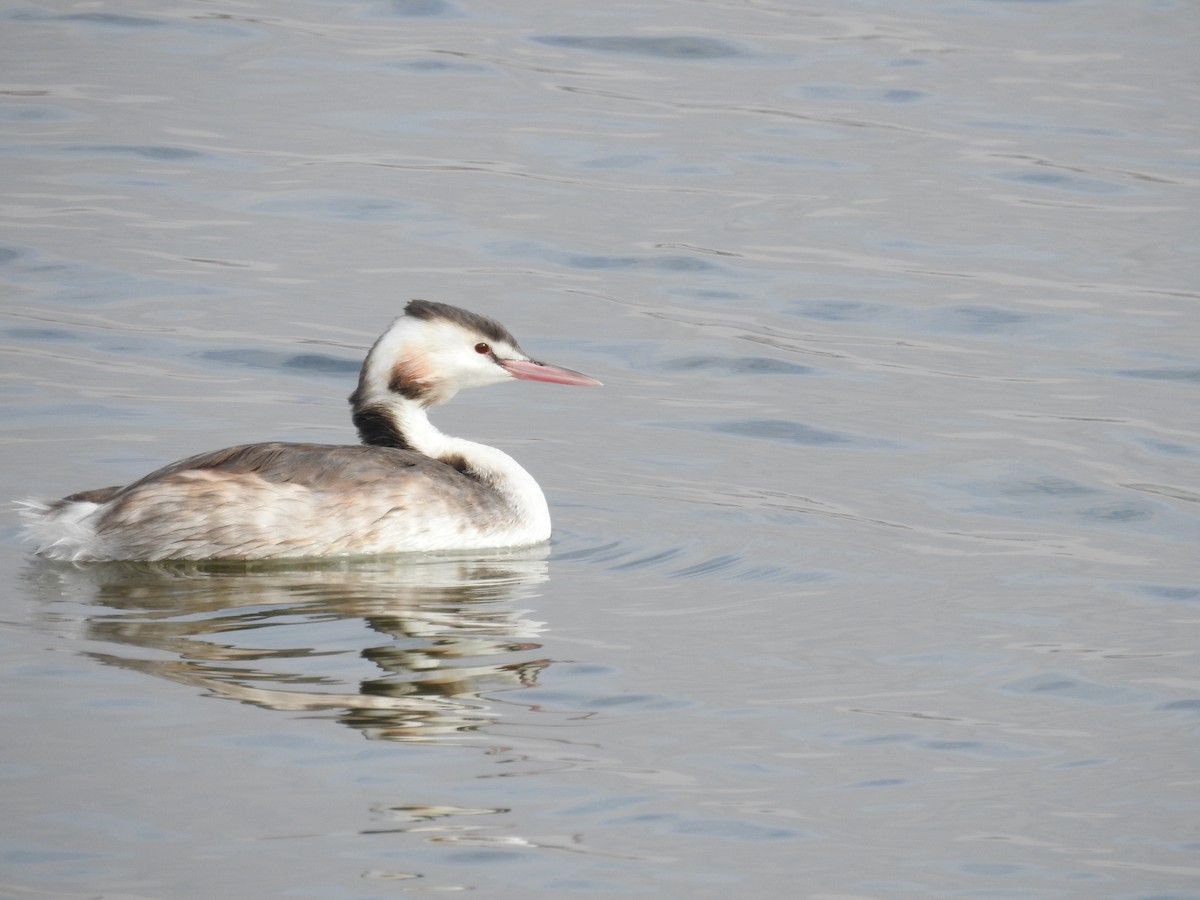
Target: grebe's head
column 435, row 350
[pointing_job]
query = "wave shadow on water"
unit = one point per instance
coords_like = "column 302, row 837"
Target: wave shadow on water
column 402, row 649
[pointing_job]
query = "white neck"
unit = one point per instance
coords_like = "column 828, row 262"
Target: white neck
column 493, row 467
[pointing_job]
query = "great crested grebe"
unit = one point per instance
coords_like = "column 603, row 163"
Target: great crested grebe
column 407, row 487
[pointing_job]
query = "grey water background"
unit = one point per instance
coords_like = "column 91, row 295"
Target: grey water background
column 875, row 564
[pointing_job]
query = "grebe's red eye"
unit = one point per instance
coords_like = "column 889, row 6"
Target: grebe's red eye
column 482, row 348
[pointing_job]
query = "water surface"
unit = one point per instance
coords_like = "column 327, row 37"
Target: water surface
column 874, row 564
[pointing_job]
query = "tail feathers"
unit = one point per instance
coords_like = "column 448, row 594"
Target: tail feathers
column 60, row 530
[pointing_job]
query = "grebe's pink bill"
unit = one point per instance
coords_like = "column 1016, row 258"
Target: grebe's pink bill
column 406, row 488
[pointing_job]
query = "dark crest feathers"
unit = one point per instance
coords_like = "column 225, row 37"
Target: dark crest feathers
column 489, row 328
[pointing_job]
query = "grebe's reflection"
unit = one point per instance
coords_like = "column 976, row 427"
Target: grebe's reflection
column 402, row 649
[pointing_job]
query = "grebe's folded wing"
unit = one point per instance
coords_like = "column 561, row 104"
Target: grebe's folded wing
column 316, row 466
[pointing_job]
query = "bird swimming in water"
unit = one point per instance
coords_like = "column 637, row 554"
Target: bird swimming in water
column 407, row 487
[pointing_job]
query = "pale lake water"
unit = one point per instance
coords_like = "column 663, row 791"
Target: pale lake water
column 874, row 571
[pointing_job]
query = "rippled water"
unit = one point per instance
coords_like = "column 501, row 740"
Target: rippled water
column 874, row 570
